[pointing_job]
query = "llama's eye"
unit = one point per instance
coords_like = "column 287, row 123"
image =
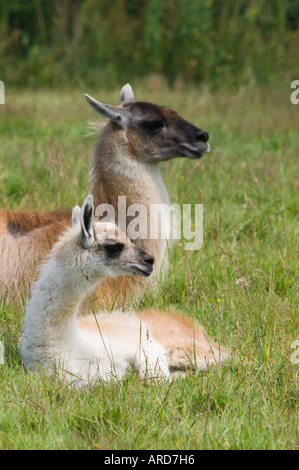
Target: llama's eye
column 113, row 248
column 152, row 127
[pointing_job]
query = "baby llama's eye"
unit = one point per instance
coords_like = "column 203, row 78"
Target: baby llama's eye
column 113, row 248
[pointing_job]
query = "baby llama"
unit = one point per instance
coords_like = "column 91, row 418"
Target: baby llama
column 87, row 253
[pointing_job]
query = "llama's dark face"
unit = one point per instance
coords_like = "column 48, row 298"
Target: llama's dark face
column 159, row 134
column 153, row 133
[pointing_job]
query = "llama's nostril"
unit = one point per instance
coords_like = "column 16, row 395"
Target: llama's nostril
column 202, row 135
column 149, row 260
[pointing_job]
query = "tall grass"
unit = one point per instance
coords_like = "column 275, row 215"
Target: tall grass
column 242, row 284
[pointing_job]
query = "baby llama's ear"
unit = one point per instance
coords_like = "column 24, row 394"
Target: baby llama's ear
column 86, row 218
column 76, row 216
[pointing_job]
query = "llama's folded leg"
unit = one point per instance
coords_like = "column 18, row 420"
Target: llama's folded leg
column 152, row 358
column 186, row 344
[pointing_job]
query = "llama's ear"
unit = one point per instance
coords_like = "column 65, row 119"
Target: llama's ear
column 76, row 216
column 86, row 218
column 114, row 113
column 126, row 93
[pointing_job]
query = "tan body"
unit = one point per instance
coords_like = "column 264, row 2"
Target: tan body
column 137, row 137
column 25, row 240
column 187, row 346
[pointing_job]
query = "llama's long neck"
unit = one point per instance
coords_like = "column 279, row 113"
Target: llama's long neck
column 56, row 297
column 118, row 171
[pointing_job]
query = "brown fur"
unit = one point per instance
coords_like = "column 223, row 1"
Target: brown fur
column 21, row 223
column 26, row 238
column 184, row 339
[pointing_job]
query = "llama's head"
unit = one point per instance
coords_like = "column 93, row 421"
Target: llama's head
column 153, row 133
column 106, row 251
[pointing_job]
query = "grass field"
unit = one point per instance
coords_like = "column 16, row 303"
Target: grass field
column 247, row 299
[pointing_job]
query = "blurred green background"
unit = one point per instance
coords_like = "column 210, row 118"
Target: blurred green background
column 104, row 42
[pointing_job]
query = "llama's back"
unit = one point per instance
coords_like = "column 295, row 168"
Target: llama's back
column 25, row 240
column 185, row 343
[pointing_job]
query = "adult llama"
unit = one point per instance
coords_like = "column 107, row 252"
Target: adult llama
column 126, row 163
